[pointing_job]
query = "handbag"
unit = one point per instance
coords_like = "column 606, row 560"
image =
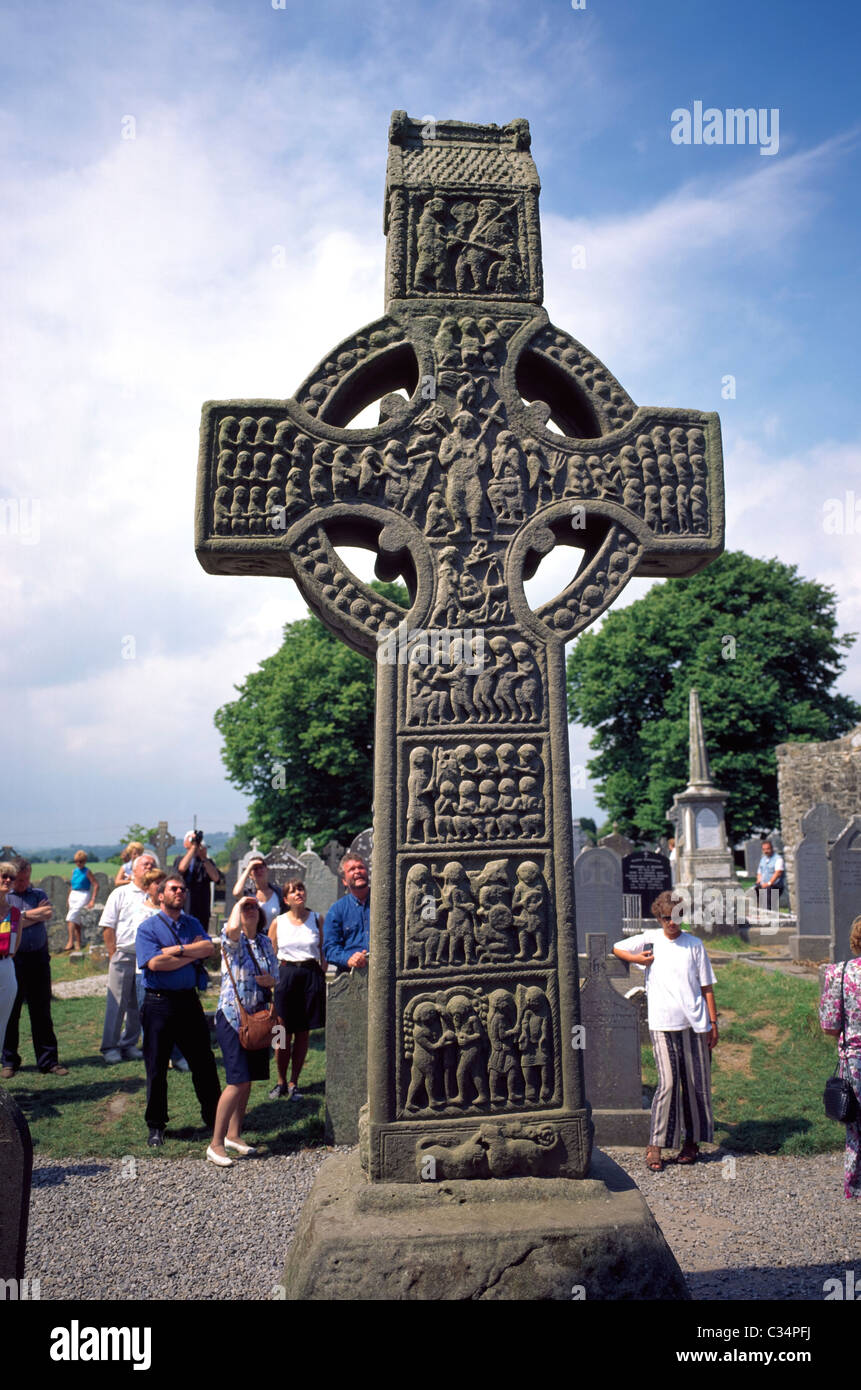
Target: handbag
column 255, row 1030
column 839, row 1098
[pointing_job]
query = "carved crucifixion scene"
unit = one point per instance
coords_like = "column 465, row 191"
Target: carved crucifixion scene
column 498, row 438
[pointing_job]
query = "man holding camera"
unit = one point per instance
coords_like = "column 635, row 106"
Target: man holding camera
column 198, row 871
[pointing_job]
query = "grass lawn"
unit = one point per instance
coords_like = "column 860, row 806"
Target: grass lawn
column 770, row 1065
column 64, row 868
column 98, row 1110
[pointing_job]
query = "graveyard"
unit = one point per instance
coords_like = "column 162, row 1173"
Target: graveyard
column 533, row 391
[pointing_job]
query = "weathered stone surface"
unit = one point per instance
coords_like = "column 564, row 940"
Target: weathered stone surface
column 363, row 845
column 752, row 854
column 704, row 856
column 820, row 826
column 461, row 489
column 618, row 843
column 611, row 1054
column 501, row 1239
column 346, row 1055
column 323, row 888
column 598, row 891
column 808, row 773
column 845, row 860
column 16, row 1167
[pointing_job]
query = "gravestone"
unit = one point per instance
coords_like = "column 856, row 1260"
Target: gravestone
column 363, row 845
column 16, row 1169
column 346, row 1055
column 611, row 1054
column 579, row 839
column 321, row 885
column 461, row 489
column 704, row 859
column 752, row 855
column 644, row 876
column 619, row 844
column 820, row 827
column 332, row 856
column 282, row 862
column 845, row 861
column 598, row 891
column 162, row 842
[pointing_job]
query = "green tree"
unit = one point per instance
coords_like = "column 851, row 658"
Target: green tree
column 757, row 641
column 299, row 739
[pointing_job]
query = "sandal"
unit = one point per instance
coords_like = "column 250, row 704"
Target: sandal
column 689, row 1152
column 654, row 1162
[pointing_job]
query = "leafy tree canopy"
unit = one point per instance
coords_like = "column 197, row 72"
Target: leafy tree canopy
column 299, row 739
column 757, row 641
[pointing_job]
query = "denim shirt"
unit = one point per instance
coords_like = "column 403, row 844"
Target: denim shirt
column 245, row 966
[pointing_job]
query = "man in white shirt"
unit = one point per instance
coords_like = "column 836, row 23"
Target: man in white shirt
column 771, row 873
column 124, row 911
column 682, row 1027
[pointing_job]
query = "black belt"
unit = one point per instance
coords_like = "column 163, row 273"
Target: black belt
column 170, row 993
column 308, row 960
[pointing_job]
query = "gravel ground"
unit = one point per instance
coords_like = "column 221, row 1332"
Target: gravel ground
column 79, row 989
column 151, row 1228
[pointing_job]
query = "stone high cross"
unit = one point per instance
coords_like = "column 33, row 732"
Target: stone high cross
column 514, row 438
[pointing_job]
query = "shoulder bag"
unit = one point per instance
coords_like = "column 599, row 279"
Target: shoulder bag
column 255, row 1030
column 841, row 1103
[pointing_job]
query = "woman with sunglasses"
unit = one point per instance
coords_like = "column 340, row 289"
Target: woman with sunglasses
column 10, row 937
column 255, row 879
column 300, row 996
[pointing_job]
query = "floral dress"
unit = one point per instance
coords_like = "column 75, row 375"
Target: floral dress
column 849, row 1051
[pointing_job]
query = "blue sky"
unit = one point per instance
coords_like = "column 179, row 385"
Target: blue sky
column 140, row 280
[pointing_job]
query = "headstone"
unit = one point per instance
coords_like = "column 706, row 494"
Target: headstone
column 752, row 855
column 321, row 885
column 598, row 891
column 820, row 827
column 346, row 1055
column 845, row 860
column 611, row 1054
column 776, row 840
column 363, row 845
column 462, row 488
column 16, row 1168
column 645, row 875
column 704, row 859
column 162, row 843
column 579, row 838
column 619, row 844
column 106, row 886
column 282, row 862
column 332, row 856
column 808, row 773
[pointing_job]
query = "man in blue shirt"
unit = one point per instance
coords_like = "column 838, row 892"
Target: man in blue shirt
column 33, row 973
column 168, row 947
column 347, row 928
column 771, row 873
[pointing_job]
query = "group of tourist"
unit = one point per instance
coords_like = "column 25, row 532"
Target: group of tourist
column 275, row 951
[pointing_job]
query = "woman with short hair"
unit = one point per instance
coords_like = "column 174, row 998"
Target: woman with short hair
column 840, row 1017
column 82, row 895
column 255, row 879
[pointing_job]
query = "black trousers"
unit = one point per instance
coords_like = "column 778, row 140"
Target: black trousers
column 176, row 1017
column 33, row 973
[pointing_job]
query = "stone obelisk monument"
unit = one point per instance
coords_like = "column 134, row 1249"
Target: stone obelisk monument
column 512, row 439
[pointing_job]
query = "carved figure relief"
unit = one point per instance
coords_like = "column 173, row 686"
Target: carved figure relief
column 471, row 245
column 500, row 1149
column 498, row 681
column 492, row 916
column 467, row 1050
column 506, row 801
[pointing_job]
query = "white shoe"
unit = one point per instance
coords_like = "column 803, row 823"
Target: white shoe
column 180, row 1065
column 218, row 1159
column 244, row 1149
column 113, row 1054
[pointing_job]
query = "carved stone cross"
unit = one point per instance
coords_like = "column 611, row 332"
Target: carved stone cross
column 510, row 438
column 163, row 841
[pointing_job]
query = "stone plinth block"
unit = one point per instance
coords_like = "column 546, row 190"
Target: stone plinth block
column 346, row 1056
column 16, row 1168
column 524, row 1239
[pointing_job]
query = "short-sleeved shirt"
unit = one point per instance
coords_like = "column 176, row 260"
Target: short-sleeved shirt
column 829, row 1004
column 159, row 931
column 34, row 935
column 769, row 865
column 674, row 980
column 125, row 909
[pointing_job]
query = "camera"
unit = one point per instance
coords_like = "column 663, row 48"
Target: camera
column 197, row 837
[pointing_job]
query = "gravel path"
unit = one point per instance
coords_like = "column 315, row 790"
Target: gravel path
column 79, row 989
column 153, row 1228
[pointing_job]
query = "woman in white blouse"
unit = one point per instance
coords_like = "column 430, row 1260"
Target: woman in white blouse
column 300, row 995
column 256, row 877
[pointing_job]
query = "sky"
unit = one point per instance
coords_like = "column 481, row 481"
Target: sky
column 193, row 210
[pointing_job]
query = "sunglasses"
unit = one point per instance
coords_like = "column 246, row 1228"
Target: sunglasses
column 5, row 876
